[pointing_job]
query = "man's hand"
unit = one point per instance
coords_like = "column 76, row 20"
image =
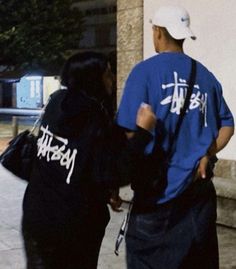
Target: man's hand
column 202, row 168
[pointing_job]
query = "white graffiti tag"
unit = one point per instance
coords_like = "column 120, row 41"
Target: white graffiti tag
column 56, row 153
column 197, row 100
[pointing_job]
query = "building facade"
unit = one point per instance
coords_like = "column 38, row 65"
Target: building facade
column 100, row 25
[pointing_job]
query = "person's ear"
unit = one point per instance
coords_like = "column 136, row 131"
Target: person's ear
column 156, row 29
column 158, row 32
column 156, row 37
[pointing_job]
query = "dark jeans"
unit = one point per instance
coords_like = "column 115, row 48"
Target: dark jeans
column 178, row 234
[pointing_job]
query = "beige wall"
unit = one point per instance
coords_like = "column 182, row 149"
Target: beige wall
column 213, row 22
column 129, row 38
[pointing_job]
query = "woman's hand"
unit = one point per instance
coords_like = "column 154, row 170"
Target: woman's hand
column 146, row 119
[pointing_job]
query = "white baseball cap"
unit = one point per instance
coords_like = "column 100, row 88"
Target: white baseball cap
column 175, row 19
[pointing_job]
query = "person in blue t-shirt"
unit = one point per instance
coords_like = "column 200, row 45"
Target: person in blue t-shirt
column 179, row 231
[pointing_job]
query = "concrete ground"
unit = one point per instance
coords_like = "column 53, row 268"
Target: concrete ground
column 11, row 251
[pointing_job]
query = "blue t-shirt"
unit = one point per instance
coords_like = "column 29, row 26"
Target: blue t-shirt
column 162, row 82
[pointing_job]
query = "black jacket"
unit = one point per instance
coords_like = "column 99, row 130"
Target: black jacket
column 81, row 156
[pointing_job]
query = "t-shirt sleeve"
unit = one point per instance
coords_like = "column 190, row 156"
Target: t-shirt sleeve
column 225, row 115
column 135, row 92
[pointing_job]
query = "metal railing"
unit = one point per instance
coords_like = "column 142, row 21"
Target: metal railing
column 17, row 113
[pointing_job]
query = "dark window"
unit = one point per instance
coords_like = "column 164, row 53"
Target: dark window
column 103, row 35
column 100, row 11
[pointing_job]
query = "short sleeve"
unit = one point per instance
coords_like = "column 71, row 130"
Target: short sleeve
column 135, row 92
column 225, row 115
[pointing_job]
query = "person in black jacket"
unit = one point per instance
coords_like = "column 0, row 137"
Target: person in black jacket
column 81, row 157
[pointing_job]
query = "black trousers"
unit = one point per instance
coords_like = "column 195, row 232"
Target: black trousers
column 180, row 234
column 63, row 255
column 73, row 248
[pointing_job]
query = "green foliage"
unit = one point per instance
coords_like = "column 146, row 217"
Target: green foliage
column 38, row 34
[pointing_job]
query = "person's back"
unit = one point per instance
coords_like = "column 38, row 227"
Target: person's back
column 166, row 78
column 179, row 226
column 79, row 151
column 65, row 212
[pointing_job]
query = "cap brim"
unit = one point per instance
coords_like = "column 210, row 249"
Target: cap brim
column 181, row 32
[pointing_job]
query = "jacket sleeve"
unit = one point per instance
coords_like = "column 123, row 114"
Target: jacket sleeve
column 118, row 164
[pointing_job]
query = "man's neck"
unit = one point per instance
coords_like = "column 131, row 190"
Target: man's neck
column 171, row 48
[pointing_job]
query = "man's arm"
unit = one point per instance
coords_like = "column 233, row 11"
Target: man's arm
column 224, row 136
column 145, row 119
column 135, row 92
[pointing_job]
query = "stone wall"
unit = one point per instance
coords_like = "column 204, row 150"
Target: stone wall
column 226, row 169
column 129, row 39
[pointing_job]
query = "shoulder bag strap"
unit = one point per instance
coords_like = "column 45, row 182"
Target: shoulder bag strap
column 37, row 122
column 185, row 106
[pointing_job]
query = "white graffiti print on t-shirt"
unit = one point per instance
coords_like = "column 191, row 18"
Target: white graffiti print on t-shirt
column 198, row 99
column 56, row 152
